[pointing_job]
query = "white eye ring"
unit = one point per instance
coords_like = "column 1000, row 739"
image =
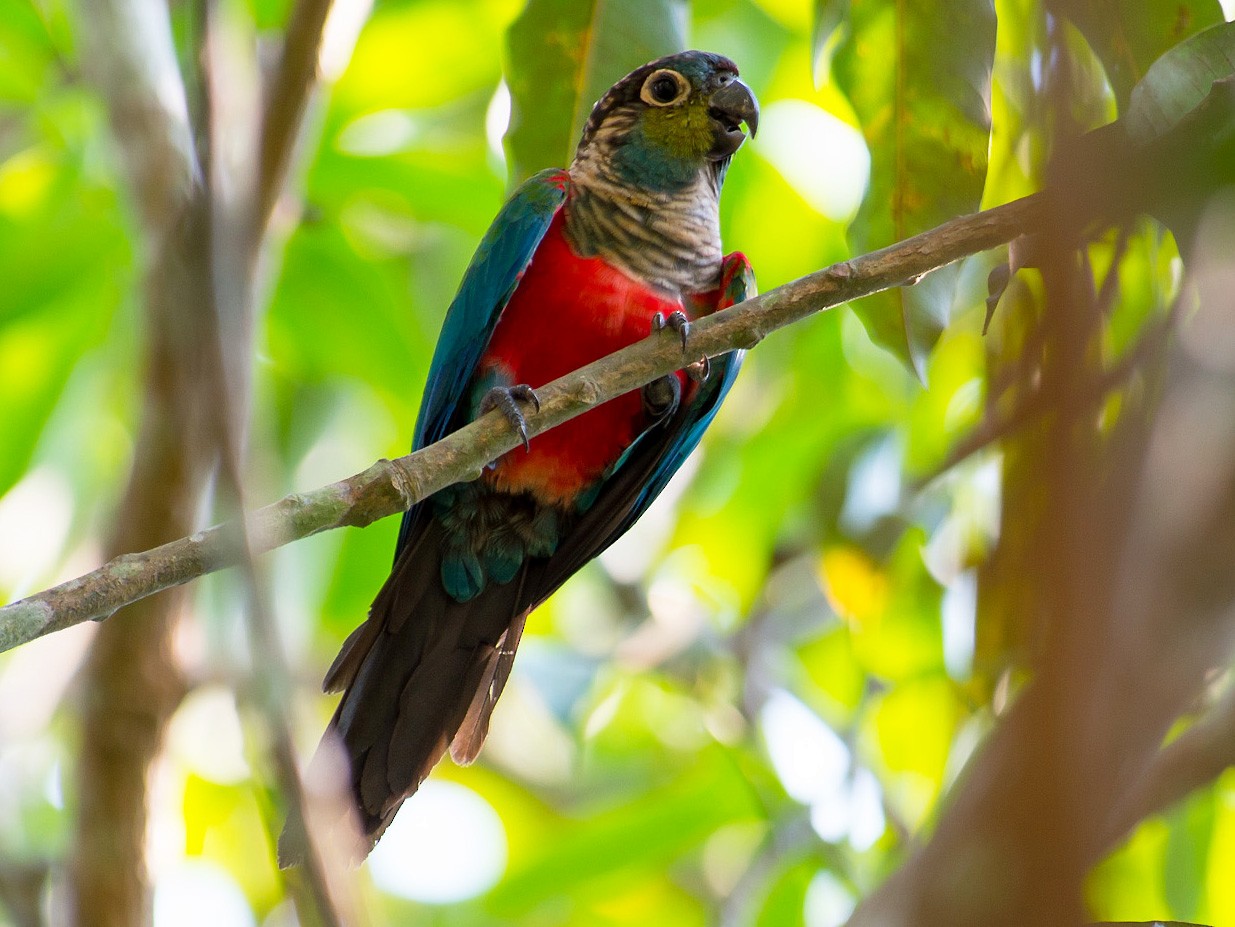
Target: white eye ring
column 656, row 86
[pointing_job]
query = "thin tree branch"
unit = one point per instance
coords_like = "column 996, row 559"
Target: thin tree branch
column 231, row 112
column 290, row 89
column 389, row 487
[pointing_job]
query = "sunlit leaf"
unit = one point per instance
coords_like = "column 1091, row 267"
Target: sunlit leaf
column 1220, row 891
column 270, row 14
column 1129, row 883
column 904, row 638
column 830, row 664
column 857, row 589
column 27, row 51
column 1187, row 851
column 57, row 301
column 402, row 60
column 224, row 823
column 919, row 79
column 564, row 54
column 910, row 729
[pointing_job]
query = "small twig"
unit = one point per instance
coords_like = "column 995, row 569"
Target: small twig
column 228, row 106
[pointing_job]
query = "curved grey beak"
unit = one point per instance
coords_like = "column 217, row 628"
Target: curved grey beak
column 729, row 107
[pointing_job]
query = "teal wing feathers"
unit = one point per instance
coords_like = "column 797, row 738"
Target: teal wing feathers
column 500, row 260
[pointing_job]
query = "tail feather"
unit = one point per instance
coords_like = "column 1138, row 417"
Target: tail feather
column 405, row 582
column 420, row 668
column 473, row 730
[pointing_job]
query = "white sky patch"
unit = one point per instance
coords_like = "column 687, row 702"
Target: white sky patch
column 446, row 845
column 634, row 553
column 34, row 523
column 816, row 768
column 809, row 758
column 497, row 120
column 828, row 902
column 1228, row 9
column 36, row 676
column 960, row 606
column 206, row 735
column 866, row 801
column 874, row 484
column 822, row 157
column 196, row 893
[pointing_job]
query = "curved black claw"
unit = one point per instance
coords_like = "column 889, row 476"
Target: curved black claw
column 700, row 370
column 506, row 399
column 677, row 321
column 661, row 398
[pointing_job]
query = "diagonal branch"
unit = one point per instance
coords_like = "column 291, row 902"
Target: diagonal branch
column 389, row 487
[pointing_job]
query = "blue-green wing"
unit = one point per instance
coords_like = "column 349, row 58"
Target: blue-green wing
column 488, row 282
column 490, row 279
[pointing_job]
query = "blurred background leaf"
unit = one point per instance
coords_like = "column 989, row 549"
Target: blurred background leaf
column 918, row 76
column 564, row 54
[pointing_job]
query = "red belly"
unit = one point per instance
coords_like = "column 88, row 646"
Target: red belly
column 567, row 312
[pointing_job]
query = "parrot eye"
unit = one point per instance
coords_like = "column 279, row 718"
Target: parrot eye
column 664, row 87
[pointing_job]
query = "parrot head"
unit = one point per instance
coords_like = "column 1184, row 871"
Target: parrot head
column 663, row 123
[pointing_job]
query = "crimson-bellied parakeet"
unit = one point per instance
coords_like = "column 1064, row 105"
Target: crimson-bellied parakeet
column 579, row 263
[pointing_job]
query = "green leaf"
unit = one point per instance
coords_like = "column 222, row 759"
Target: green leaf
column 564, row 54
column 787, row 896
column 1129, row 35
column 919, row 79
column 1178, row 81
column 1189, row 839
column 662, row 826
column 58, row 300
column 27, row 53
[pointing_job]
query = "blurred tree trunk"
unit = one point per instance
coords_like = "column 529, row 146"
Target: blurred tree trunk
column 131, row 685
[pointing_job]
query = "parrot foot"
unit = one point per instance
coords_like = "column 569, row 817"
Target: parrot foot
column 700, row 370
column 661, row 398
column 677, row 321
column 506, row 399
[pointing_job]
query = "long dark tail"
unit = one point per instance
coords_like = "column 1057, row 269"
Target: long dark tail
column 422, row 671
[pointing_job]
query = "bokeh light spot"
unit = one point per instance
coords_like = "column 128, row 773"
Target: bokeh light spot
column 446, row 845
